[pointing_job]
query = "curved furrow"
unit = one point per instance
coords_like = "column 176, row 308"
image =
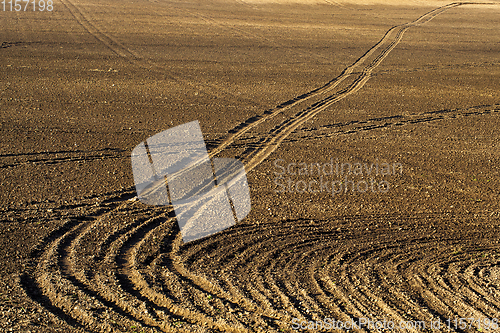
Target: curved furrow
column 188, row 310
column 443, row 289
column 412, row 269
column 303, row 305
column 257, row 256
column 73, row 253
column 488, row 299
column 466, row 307
column 367, row 286
column 233, row 294
column 411, row 304
column 334, row 284
column 118, row 284
column 208, row 284
column 239, row 266
column 80, row 265
column 57, row 283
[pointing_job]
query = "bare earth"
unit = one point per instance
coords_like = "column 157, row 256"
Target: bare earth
column 272, row 83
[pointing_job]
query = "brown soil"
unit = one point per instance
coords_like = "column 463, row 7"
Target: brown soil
column 271, row 83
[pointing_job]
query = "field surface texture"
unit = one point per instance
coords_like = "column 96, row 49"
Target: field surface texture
column 405, row 94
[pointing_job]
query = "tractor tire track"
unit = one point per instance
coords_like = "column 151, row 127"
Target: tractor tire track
column 58, row 157
column 259, row 147
column 283, row 131
column 113, row 44
column 309, row 112
column 357, row 126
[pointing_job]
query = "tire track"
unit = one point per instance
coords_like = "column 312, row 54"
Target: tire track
column 57, row 157
column 284, row 131
column 113, row 44
column 309, row 112
column 261, row 146
column 357, row 126
column 124, row 52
